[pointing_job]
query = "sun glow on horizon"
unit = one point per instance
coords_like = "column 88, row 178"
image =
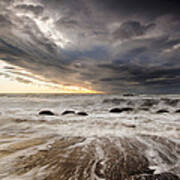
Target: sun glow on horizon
column 9, row 86
column 14, row 79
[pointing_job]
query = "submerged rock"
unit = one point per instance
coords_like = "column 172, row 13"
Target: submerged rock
column 114, row 101
column 149, row 102
column 47, row 113
column 120, row 110
column 68, row 112
column 82, row 114
column 170, row 102
column 144, row 109
column 129, row 125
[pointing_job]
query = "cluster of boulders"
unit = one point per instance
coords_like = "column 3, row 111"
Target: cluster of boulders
column 129, row 109
column 50, row 113
column 113, row 110
column 145, row 105
column 73, row 112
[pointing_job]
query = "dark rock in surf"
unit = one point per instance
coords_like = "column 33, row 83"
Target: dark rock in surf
column 161, row 111
column 82, row 114
column 120, row 110
column 47, row 113
column 177, row 111
column 68, row 112
column 128, row 95
column 129, row 125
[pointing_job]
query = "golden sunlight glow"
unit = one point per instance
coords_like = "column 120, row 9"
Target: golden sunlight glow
column 17, row 80
column 10, row 86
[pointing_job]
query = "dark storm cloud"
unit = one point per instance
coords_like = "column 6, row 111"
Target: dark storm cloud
column 35, row 9
column 141, row 79
column 151, row 8
column 131, row 29
column 121, row 45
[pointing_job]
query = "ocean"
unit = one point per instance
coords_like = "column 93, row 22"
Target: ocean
column 137, row 143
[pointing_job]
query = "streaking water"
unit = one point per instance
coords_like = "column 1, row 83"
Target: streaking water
column 143, row 132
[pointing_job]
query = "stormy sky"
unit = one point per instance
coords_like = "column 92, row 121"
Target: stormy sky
column 113, row 46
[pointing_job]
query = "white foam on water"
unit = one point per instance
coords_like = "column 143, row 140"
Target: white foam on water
column 99, row 122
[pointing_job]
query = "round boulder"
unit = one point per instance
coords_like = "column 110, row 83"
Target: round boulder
column 68, row 112
column 47, row 113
